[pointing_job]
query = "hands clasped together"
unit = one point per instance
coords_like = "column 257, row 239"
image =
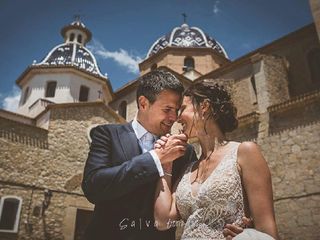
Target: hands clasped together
column 170, row 147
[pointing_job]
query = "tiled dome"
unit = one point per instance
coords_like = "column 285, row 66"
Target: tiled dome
column 73, row 52
column 70, row 54
column 186, row 36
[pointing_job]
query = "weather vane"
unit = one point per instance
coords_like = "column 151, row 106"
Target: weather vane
column 184, row 17
column 78, row 16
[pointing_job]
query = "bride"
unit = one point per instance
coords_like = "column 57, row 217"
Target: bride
column 230, row 180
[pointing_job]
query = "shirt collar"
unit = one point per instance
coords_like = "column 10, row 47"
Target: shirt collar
column 138, row 129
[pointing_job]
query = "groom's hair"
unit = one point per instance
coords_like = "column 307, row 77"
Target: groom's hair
column 156, row 81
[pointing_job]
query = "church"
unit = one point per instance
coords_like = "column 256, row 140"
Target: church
column 44, row 145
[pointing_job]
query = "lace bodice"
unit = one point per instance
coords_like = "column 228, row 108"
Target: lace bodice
column 219, row 200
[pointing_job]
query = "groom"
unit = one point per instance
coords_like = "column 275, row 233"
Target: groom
column 122, row 168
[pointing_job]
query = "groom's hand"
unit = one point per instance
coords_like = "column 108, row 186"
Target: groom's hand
column 232, row 230
column 174, row 147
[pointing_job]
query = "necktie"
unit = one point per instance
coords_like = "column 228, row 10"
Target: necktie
column 147, row 141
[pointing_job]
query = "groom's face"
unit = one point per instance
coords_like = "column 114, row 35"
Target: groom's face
column 160, row 115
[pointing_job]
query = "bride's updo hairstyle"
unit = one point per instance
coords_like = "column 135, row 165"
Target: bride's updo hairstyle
column 222, row 111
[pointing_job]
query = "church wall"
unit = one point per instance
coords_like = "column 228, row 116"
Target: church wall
column 130, row 98
column 67, row 90
column 37, row 85
column 271, row 82
column 257, row 85
column 238, row 83
column 160, row 60
column 205, row 62
column 77, row 81
column 298, row 69
column 28, row 167
column 293, row 158
column 243, row 97
column 290, row 145
column 298, row 218
column 247, row 129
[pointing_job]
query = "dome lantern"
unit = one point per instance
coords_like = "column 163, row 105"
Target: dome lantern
column 76, row 32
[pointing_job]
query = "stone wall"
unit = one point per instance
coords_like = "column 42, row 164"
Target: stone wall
column 299, row 112
column 293, row 157
column 242, row 97
column 247, row 129
column 276, row 80
column 289, row 137
column 21, row 133
column 294, row 50
column 26, row 170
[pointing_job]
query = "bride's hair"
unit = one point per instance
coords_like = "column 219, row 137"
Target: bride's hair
column 223, row 110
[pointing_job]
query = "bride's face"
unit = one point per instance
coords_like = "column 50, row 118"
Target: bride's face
column 188, row 117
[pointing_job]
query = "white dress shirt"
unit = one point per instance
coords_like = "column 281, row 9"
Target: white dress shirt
column 146, row 143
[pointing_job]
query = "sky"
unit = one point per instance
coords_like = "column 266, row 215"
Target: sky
column 124, row 30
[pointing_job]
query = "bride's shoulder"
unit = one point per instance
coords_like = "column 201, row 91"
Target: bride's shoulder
column 247, row 147
column 249, row 153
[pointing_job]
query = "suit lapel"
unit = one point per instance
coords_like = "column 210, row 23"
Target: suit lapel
column 129, row 142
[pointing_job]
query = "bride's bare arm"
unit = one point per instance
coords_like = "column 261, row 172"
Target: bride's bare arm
column 256, row 180
column 165, row 210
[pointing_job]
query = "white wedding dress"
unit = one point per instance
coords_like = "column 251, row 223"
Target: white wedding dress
column 219, row 200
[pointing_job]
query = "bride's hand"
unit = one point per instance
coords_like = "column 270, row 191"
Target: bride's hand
column 161, row 142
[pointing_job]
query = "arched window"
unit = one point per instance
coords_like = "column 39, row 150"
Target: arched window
column 154, row 66
column 79, row 38
column 314, row 64
column 25, row 95
column 10, row 207
column 71, row 37
column 84, row 94
column 123, row 109
column 51, row 89
column 188, row 64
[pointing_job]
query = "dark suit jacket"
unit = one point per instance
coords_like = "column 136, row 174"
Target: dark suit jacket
column 121, row 182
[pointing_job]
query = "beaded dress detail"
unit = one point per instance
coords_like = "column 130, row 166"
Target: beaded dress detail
column 219, row 199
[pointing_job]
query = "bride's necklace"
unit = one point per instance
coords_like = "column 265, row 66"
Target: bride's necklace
column 201, row 178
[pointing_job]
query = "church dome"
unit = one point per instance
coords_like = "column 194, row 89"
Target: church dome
column 185, row 36
column 70, row 54
column 73, row 51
